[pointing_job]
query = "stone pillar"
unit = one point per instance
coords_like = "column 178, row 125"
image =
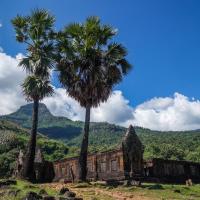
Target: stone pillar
column 132, row 153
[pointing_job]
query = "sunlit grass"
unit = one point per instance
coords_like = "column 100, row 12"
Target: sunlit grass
column 100, row 191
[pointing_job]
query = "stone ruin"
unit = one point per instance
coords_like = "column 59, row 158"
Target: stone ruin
column 126, row 162
column 123, row 163
column 43, row 170
column 132, row 154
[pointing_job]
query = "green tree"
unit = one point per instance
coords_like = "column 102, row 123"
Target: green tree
column 90, row 64
column 36, row 32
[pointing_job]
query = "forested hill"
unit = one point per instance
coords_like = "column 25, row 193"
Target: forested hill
column 52, row 126
column 103, row 136
column 13, row 138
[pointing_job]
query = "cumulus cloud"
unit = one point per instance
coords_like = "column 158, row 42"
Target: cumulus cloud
column 60, row 104
column 161, row 113
column 169, row 113
column 11, row 77
column 115, row 110
column 165, row 113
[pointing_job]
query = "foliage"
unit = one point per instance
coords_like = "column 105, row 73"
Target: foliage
column 89, row 62
column 13, row 138
column 36, row 88
column 36, row 31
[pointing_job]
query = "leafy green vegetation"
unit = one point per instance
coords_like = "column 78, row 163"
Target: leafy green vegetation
column 167, row 145
column 13, row 138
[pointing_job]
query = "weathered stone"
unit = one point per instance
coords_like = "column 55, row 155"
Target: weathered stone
column 127, row 183
column 32, row 196
column 132, row 153
column 63, row 190
column 136, row 183
column 43, row 192
column 189, row 182
column 43, row 170
column 2, row 193
column 13, row 192
column 69, row 194
column 65, row 198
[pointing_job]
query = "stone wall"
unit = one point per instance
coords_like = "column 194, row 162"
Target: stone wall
column 172, row 170
column 101, row 166
column 123, row 163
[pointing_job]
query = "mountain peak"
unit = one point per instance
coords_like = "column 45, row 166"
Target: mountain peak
column 27, row 110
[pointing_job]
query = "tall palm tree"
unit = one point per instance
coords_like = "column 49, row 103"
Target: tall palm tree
column 35, row 89
column 36, row 32
column 89, row 65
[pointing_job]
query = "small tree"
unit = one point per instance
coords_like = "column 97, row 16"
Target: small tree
column 36, row 32
column 90, row 64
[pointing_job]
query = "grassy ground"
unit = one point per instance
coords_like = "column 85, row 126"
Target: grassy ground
column 99, row 191
column 23, row 188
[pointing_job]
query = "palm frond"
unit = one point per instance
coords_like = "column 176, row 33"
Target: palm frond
column 36, row 88
column 89, row 65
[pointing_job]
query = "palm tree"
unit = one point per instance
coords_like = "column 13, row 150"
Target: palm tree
column 35, row 89
column 89, row 66
column 36, row 32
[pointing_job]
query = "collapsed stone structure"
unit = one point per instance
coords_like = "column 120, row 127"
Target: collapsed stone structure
column 124, row 163
column 43, row 170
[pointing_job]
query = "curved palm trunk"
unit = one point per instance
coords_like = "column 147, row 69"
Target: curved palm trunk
column 28, row 172
column 84, row 147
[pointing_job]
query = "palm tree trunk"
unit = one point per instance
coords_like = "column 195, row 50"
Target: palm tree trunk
column 84, row 147
column 28, row 172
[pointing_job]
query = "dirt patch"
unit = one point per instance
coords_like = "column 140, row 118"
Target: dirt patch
column 96, row 192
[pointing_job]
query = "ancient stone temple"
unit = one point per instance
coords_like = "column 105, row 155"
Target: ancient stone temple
column 123, row 163
column 119, row 164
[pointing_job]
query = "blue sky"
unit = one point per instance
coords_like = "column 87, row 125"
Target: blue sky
column 162, row 37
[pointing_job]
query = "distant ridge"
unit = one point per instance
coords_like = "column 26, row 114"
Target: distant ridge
column 52, row 126
column 104, row 136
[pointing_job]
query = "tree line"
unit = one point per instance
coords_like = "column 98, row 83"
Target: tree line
column 87, row 60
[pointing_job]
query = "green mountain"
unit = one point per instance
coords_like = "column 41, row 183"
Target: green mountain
column 52, row 126
column 183, row 145
column 13, row 137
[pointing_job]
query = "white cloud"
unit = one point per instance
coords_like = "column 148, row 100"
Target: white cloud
column 115, row 110
column 1, row 25
column 11, row 76
column 62, row 105
column 175, row 113
column 166, row 113
column 160, row 113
